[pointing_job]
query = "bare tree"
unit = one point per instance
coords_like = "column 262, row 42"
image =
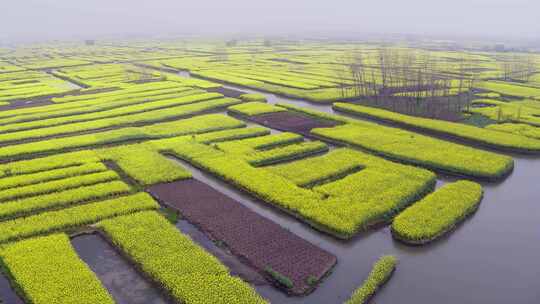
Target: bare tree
column 517, row 67
column 357, row 69
column 411, row 81
column 531, row 67
column 342, row 76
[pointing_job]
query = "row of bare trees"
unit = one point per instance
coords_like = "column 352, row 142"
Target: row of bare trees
column 517, row 67
column 408, row 81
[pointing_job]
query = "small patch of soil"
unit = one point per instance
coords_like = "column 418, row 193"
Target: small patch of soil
column 227, row 92
column 291, row 122
column 258, row 241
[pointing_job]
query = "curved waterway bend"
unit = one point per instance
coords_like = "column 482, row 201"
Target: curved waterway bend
column 491, row 258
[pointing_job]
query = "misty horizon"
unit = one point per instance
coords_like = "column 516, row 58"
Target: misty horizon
column 33, row 20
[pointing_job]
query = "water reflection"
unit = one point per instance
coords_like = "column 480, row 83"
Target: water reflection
column 121, row 279
column 7, row 294
column 490, row 258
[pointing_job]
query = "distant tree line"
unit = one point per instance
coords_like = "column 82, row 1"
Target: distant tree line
column 411, row 82
column 517, row 67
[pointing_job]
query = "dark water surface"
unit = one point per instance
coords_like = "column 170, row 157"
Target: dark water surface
column 491, row 258
column 7, row 294
column 121, row 279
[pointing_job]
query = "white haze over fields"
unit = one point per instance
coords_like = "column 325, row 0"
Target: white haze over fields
column 61, row 19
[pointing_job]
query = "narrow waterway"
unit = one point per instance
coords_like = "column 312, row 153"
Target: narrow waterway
column 121, row 279
column 7, row 294
column 497, row 247
column 490, row 258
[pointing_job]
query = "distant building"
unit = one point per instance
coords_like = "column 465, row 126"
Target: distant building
column 90, row 42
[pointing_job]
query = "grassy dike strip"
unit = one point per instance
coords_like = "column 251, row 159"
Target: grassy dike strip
column 58, row 185
column 517, row 128
column 116, row 122
column 438, row 213
column 194, row 125
column 74, row 217
column 484, row 137
column 286, row 153
column 78, row 115
column 94, row 105
column 47, row 270
column 340, row 216
column 380, row 274
column 424, row 151
column 271, row 149
column 413, row 148
column 61, row 199
column 253, row 97
column 260, row 143
column 186, row 271
column 141, row 163
column 50, row 175
column 254, row 108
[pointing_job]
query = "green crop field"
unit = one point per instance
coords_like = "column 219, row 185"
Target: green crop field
column 338, row 157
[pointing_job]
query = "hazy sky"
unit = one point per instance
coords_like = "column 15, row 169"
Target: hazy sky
column 51, row 19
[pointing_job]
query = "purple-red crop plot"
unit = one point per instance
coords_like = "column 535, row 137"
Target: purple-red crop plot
column 291, row 122
column 262, row 243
